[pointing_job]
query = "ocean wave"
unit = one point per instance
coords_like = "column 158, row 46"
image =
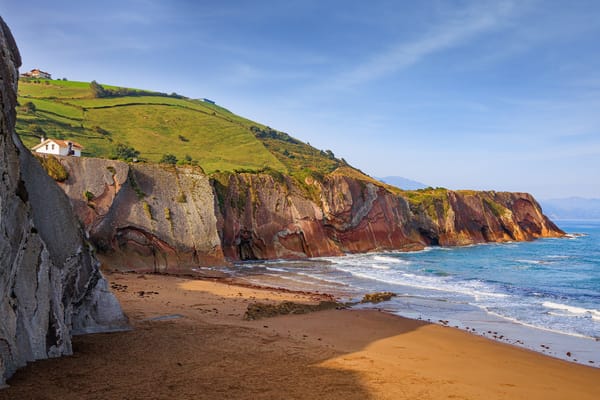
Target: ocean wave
column 536, row 262
column 386, row 259
column 366, row 260
column 335, row 282
column 275, row 269
column 377, row 266
column 529, row 325
column 438, row 283
column 595, row 314
column 575, row 235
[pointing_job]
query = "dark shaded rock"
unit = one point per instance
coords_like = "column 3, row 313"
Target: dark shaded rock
column 264, row 310
column 50, row 284
column 377, row 297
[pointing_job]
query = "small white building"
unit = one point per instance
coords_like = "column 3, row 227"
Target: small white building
column 58, row 147
column 37, row 73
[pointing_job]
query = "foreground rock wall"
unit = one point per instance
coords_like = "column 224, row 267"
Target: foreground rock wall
column 50, row 285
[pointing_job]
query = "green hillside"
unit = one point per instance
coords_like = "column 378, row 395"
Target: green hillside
column 101, row 117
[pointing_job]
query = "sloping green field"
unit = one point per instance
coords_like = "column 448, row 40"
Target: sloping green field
column 156, row 124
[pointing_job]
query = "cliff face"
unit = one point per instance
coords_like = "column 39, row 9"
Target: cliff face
column 150, row 218
column 172, row 219
column 263, row 218
column 50, row 285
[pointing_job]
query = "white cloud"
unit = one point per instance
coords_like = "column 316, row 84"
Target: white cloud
column 457, row 29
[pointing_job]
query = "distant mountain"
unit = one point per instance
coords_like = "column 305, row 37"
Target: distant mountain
column 571, row 208
column 402, row 183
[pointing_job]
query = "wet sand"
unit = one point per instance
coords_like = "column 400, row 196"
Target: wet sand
column 190, row 341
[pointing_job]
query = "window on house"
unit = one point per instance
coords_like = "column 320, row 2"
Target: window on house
column 46, row 147
column 52, row 147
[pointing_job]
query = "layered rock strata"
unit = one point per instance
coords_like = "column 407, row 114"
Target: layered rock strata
column 263, row 218
column 159, row 218
column 50, row 284
column 151, row 218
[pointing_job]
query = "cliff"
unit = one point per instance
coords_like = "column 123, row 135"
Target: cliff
column 159, row 218
column 145, row 217
column 50, row 284
column 262, row 217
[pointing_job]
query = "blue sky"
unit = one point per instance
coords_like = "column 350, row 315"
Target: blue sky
column 501, row 95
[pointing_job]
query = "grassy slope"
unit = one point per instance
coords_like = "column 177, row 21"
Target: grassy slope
column 156, row 125
column 216, row 138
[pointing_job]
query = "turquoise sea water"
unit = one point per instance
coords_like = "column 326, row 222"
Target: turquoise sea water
column 544, row 295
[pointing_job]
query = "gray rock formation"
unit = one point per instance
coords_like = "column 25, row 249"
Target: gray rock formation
column 144, row 217
column 50, row 284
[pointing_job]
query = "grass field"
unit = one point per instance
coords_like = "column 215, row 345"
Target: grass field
column 156, row 124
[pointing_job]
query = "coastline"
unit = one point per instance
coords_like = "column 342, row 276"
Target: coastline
column 190, row 341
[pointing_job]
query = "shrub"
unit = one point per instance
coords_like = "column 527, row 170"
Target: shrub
column 101, row 130
column 98, row 90
column 89, row 196
column 124, row 152
column 54, row 168
column 29, row 107
column 168, row 159
column 147, row 209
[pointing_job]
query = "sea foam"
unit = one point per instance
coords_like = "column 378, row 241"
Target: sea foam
column 594, row 314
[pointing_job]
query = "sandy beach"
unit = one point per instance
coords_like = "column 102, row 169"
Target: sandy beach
column 190, row 341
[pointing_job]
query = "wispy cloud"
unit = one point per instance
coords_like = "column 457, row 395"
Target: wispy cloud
column 458, row 28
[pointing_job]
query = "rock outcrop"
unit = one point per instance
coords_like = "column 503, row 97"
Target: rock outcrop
column 266, row 218
column 50, row 284
column 159, row 218
column 145, row 217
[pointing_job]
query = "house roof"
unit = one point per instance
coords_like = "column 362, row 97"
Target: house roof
column 60, row 143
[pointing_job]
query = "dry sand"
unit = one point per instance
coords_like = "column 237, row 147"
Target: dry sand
column 190, row 342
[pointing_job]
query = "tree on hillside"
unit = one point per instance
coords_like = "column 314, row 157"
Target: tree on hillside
column 168, row 159
column 38, row 131
column 29, row 107
column 98, row 90
column 124, row 152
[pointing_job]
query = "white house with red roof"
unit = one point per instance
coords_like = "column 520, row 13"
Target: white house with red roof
column 58, row 147
column 37, row 73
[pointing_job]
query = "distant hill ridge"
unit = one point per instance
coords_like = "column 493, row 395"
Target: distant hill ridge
column 572, row 208
column 403, row 183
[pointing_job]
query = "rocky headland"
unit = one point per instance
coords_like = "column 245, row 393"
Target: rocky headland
column 170, row 219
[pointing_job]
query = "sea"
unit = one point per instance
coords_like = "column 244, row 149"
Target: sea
column 542, row 295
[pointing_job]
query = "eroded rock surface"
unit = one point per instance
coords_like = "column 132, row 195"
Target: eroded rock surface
column 50, row 285
column 264, row 218
column 158, row 218
column 145, row 217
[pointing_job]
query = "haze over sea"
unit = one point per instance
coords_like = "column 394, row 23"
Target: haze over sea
column 543, row 295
